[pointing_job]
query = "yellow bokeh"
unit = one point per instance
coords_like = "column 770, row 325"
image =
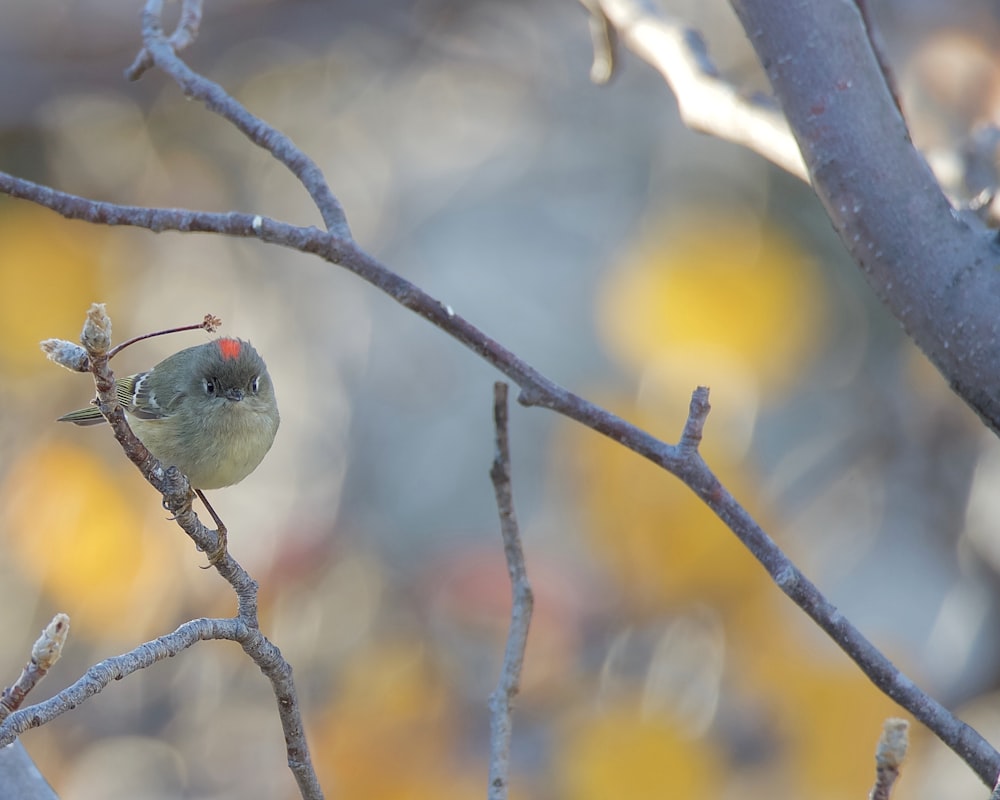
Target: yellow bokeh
column 823, row 711
column 74, row 531
column 391, row 730
column 49, row 271
column 619, row 754
column 659, row 541
column 827, row 714
column 724, row 286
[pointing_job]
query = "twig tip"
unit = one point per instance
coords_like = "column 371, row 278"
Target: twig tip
column 889, row 756
column 96, row 336
column 695, row 424
column 66, row 354
column 48, row 648
column 604, row 39
column 893, row 743
column 211, row 323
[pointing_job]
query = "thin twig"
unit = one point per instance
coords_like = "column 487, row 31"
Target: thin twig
column 522, row 602
column 695, row 425
column 705, row 101
column 184, row 35
column 211, row 324
column 260, row 133
column 101, row 675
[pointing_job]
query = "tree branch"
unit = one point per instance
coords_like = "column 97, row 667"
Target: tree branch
column 522, row 602
column 19, row 778
column 705, row 101
column 879, row 50
column 100, row 676
column 184, row 35
column 934, row 268
column 163, row 54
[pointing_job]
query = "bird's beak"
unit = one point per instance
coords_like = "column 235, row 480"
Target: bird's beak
column 234, row 394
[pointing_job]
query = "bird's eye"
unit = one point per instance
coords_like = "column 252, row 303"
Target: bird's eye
column 255, row 384
column 209, row 384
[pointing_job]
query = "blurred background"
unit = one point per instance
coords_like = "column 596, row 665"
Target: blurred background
column 623, row 256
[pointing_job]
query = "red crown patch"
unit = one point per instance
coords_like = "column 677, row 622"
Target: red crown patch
column 230, row 348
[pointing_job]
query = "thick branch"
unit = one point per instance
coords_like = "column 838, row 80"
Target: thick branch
column 935, row 269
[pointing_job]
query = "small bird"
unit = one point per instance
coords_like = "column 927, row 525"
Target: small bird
column 208, row 410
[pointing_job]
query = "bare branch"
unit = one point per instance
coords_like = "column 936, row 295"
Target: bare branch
column 261, row 134
column 706, row 102
column 100, row 676
column 501, row 699
column 210, row 323
column 933, row 267
column 968, row 743
column 184, row 34
column 174, row 487
column 880, row 194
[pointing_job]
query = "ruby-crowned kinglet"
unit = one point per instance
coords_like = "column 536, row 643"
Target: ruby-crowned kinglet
column 207, row 410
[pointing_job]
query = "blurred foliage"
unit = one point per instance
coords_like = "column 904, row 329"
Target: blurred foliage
column 616, row 754
column 83, row 539
column 392, row 730
column 50, row 270
column 720, row 289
